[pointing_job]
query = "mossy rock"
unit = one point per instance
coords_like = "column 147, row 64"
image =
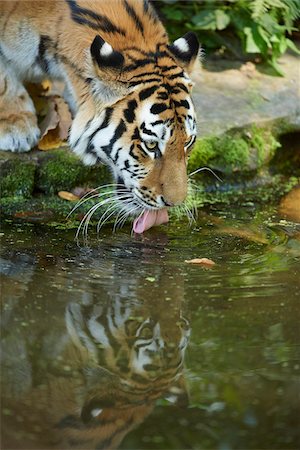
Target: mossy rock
column 62, row 170
column 238, row 151
column 17, row 178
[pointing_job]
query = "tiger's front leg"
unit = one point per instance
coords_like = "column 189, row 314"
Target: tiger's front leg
column 19, row 131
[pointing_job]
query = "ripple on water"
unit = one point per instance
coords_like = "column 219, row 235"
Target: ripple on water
column 125, row 332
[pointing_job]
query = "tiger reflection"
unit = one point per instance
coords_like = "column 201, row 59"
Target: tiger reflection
column 104, row 374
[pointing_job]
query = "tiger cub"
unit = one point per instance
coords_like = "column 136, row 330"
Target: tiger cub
column 128, row 89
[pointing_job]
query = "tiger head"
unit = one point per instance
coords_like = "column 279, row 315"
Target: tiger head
column 143, row 126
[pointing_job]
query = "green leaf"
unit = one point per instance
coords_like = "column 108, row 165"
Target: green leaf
column 205, row 20
column 222, row 19
column 276, row 67
column 264, row 36
column 292, row 46
column 173, row 14
column 282, row 45
column 250, row 44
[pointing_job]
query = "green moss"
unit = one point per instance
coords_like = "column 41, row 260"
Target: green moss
column 53, row 211
column 17, row 178
column 62, row 171
column 202, row 153
column 227, row 153
column 48, row 209
column 237, row 151
column 232, row 153
column 264, row 143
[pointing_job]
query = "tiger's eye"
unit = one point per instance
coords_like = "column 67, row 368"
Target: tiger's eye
column 151, row 145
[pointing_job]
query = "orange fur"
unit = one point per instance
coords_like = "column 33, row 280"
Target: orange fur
column 64, row 31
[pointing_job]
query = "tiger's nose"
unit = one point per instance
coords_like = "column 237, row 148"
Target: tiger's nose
column 174, row 193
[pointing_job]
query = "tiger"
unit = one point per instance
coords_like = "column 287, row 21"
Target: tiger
column 99, row 370
column 128, row 88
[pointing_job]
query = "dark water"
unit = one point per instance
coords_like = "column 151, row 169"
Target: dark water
column 123, row 344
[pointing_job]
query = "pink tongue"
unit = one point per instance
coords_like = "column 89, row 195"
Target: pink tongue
column 149, row 219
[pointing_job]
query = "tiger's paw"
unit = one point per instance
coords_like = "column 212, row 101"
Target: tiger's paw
column 18, row 132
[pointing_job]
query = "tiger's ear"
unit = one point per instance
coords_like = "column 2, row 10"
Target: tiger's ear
column 105, row 56
column 106, row 67
column 187, row 51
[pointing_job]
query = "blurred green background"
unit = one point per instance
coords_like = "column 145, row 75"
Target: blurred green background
column 259, row 30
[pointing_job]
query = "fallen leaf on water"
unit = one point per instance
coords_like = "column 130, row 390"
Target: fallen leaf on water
column 68, row 196
column 202, row 261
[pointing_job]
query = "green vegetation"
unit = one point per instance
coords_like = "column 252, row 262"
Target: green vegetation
column 64, row 171
column 17, row 178
column 259, row 27
column 237, row 151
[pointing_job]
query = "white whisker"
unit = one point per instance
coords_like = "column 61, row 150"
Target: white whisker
column 205, row 168
column 120, row 221
column 98, row 205
column 83, row 199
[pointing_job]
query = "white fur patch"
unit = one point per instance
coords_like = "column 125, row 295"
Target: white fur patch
column 106, row 49
column 182, row 45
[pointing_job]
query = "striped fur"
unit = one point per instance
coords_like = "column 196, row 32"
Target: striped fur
column 87, row 388
column 127, row 86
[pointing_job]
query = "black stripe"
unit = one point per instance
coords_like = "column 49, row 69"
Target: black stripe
column 91, row 151
column 83, row 16
column 176, row 75
column 121, row 128
column 137, row 63
column 105, row 123
column 145, row 93
column 182, row 87
column 167, row 68
column 158, row 108
column 131, row 152
column 146, row 131
column 45, row 41
column 142, row 81
column 136, row 135
column 129, row 113
column 150, row 11
column 163, row 96
column 142, row 151
column 146, row 6
column 131, row 12
column 182, row 103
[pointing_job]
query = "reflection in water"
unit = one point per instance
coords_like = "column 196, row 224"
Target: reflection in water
column 94, row 338
column 83, row 374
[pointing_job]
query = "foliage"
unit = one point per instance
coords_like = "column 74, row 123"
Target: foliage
column 260, row 26
column 236, row 151
column 17, row 178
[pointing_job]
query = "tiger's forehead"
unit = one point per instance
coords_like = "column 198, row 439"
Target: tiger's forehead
column 157, row 117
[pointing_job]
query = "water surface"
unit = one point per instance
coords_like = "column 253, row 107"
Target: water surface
column 121, row 343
